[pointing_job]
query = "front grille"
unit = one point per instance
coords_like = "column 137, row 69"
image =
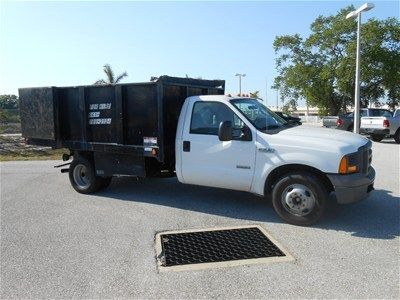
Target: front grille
column 369, row 157
column 365, row 154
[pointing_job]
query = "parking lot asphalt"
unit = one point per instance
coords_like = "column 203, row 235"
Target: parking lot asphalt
column 56, row 243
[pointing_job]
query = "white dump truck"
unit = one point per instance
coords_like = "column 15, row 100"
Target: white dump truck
column 155, row 129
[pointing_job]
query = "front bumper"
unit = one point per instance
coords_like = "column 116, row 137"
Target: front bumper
column 353, row 187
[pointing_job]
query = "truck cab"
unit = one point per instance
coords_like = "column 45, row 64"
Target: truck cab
column 237, row 143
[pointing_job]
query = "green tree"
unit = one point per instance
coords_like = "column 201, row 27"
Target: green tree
column 321, row 67
column 110, row 79
column 9, row 109
column 9, row 102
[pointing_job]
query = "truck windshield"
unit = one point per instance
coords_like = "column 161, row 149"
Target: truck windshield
column 260, row 116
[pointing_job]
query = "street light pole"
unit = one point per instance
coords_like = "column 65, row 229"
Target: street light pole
column 356, row 127
column 357, row 13
column 240, row 82
column 240, row 85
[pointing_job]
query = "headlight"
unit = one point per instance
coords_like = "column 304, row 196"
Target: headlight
column 349, row 164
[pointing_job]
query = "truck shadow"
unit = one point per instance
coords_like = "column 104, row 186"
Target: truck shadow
column 377, row 217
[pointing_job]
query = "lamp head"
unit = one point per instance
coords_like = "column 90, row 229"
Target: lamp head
column 351, row 14
column 365, row 7
column 362, row 8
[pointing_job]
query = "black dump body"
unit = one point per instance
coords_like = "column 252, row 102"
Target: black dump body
column 128, row 129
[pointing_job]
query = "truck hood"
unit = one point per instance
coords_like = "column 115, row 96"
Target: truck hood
column 323, row 139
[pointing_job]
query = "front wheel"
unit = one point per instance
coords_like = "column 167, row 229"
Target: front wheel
column 299, row 198
column 83, row 178
column 377, row 137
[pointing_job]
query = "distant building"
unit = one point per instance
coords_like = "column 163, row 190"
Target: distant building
column 306, row 111
column 300, row 111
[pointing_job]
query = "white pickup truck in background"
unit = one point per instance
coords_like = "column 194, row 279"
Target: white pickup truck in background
column 379, row 127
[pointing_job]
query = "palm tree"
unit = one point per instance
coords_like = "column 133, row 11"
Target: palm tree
column 256, row 94
column 110, row 76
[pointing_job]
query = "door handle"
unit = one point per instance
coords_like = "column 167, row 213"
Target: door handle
column 186, row 146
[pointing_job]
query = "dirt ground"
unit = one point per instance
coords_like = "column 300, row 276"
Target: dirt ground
column 10, row 128
column 13, row 147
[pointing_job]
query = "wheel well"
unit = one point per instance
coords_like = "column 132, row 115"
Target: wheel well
column 85, row 154
column 280, row 171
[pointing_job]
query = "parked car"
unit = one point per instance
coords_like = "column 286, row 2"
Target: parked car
column 346, row 121
column 167, row 128
column 379, row 127
column 288, row 118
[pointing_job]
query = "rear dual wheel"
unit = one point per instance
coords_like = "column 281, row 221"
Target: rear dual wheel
column 83, row 177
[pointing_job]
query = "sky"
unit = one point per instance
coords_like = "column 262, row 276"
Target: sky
column 67, row 43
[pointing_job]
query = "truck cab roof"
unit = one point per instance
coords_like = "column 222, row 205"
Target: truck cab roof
column 218, row 98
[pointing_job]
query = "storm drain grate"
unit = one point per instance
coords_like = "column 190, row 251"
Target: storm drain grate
column 217, row 246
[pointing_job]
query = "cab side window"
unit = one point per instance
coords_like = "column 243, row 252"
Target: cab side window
column 376, row 113
column 207, row 116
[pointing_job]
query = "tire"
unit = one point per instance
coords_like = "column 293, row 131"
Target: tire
column 350, row 128
column 82, row 176
column 377, row 137
column 300, row 198
column 397, row 136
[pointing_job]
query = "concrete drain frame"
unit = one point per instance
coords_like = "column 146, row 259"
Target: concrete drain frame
column 161, row 260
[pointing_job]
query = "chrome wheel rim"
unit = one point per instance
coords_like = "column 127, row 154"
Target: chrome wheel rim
column 81, row 176
column 298, row 199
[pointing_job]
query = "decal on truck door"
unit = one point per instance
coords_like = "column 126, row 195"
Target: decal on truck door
column 95, row 114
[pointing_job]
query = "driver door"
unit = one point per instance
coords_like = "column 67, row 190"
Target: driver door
column 210, row 162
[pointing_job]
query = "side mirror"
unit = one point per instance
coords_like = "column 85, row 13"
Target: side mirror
column 225, row 131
